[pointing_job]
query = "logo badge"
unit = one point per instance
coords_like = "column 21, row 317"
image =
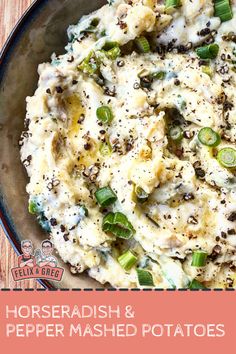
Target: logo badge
column 40, row 264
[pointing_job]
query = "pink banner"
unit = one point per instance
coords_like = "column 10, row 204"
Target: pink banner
column 117, row 321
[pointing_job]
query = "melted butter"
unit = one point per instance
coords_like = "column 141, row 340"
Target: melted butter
column 74, row 110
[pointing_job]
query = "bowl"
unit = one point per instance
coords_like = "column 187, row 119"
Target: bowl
column 39, row 33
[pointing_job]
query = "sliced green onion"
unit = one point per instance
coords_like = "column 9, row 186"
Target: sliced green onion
column 105, row 149
column 227, row 157
column 196, row 285
column 207, row 70
column 159, row 75
column 144, row 277
column 142, row 44
column 199, row 259
column 113, row 53
column 105, row 196
column 223, row 10
column 141, row 195
column 111, row 50
column 176, row 133
column 209, row 137
column 89, row 65
column 104, row 114
column 89, row 69
column 172, row 3
column 33, row 207
column 118, row 225
column 208, row 51
column 127, row 260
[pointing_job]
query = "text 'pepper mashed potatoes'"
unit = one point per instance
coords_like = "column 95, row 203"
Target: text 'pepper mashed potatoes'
column 130, row 145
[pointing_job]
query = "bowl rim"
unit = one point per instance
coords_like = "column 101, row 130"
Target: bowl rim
column 5, row 54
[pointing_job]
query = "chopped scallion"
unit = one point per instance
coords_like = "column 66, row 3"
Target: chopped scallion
column 142, row 44
column 159, row 75
column 172, row 3
column 89, row 65
column 199, row 259
column 118, row 225
column 33, row 207
column 127, row 260
column 227, row 157
column 223, row 10
column 209, row 137
column 208, row 51
column 196, row 285
column 105, row 149
column 111, row 50
column 104, row 114
column 113, row 53
column 144, row 277
column 105, row 196
column 36, row 209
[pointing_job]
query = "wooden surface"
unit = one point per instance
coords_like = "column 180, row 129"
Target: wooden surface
column 10, row 12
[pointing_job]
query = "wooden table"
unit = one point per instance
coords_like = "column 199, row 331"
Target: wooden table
column 10, row 12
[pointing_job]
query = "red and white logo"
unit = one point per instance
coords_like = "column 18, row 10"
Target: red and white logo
column 41, row 264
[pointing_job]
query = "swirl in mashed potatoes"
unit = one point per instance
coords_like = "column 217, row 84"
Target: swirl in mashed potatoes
column 122, row 113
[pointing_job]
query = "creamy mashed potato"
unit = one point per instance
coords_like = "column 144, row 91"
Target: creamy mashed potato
column 122, row 174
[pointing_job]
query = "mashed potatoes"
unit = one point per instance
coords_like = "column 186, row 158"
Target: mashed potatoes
column 123, row 176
